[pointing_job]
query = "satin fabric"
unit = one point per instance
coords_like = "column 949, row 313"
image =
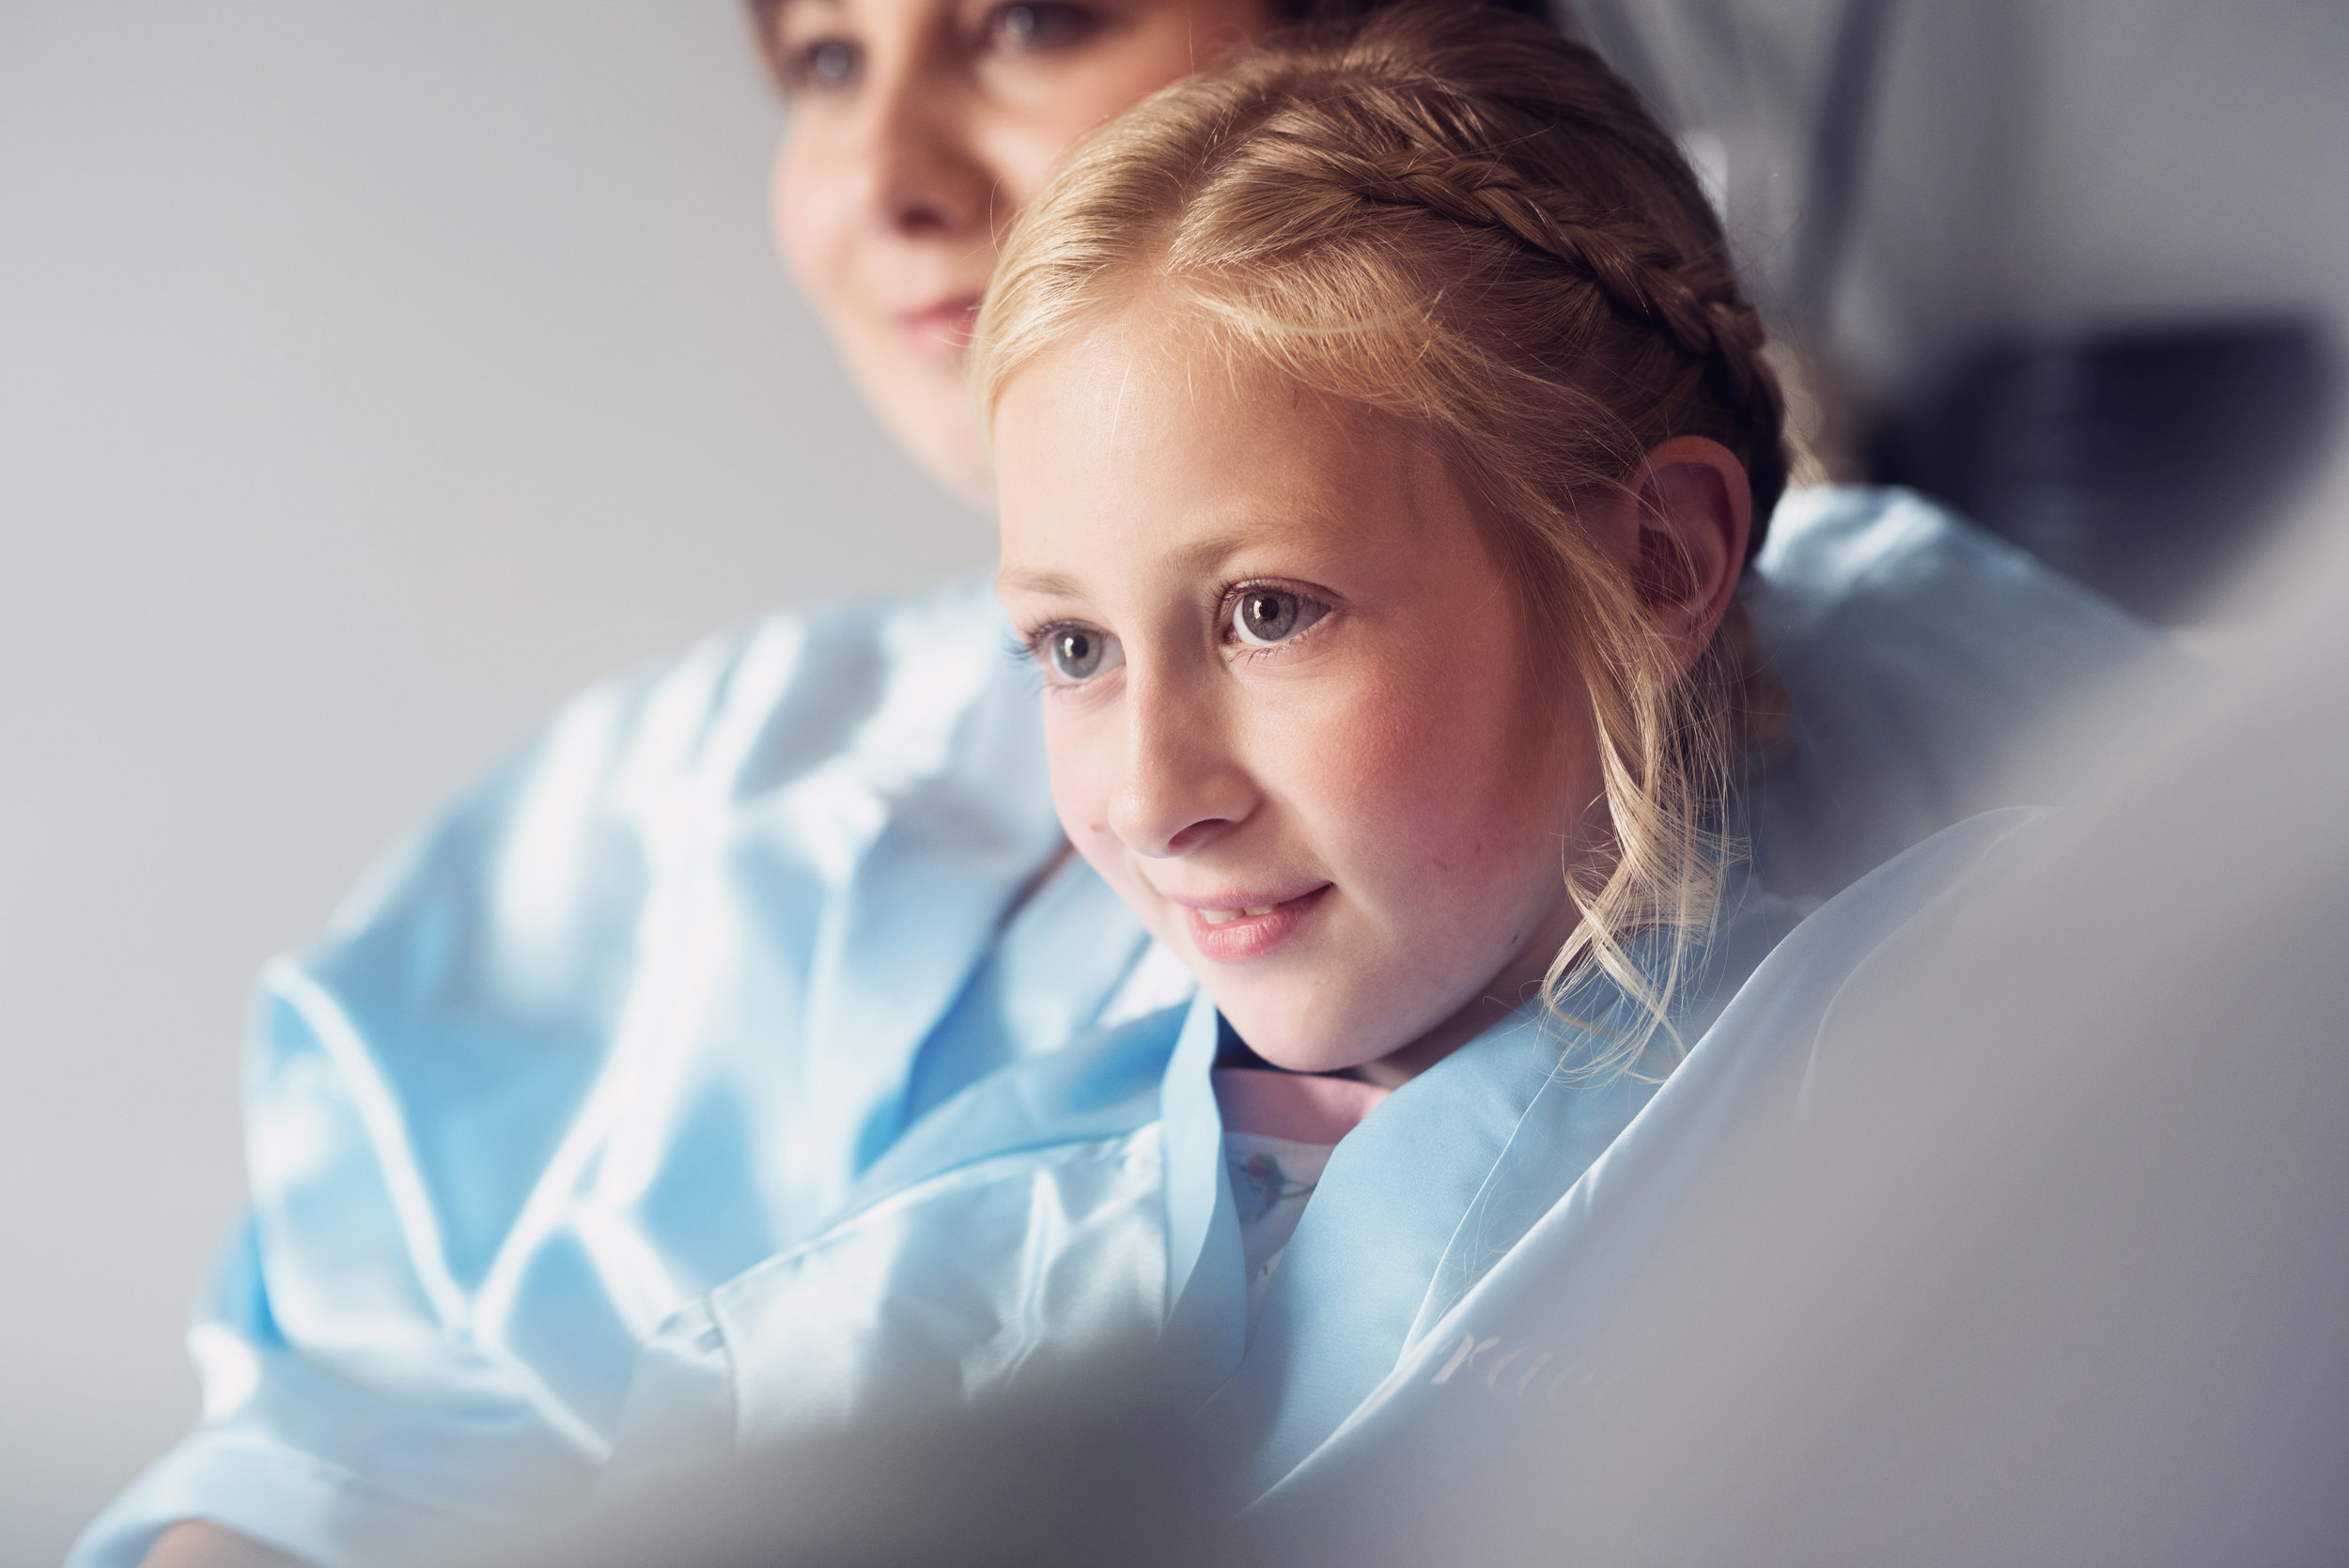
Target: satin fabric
column 1488, row 1365
column 646, row 1006
column 1470, row 1225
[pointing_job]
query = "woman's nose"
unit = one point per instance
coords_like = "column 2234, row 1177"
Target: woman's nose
column 1180, row 786
column 923, row 175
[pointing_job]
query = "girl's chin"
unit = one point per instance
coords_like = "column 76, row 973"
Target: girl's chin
column 1298, row 1045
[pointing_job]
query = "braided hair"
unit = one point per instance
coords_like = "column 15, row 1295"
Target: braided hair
column 1461, row 218
column 1693, row 300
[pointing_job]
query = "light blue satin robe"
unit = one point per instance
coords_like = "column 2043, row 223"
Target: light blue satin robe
column 1078, row 1205
column 643, row 1008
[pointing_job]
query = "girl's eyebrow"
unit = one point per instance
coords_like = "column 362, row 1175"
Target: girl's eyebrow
column 1211, row 552
column 1059, row 585
column 1204, row 555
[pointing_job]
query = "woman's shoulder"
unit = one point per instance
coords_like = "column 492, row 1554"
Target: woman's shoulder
column 693, row 828
column 1843, row 553
column 1923, row 660
column 805, row 711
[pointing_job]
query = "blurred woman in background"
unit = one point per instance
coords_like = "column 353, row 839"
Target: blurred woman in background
column 639, row 1009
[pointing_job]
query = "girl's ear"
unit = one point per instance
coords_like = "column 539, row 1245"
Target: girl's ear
column 1692, row 509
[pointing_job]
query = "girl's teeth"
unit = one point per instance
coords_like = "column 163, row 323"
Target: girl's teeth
column 1225, row 917
column 1266, row 911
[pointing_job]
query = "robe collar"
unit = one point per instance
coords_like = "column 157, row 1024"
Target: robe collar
column 1417, row 1203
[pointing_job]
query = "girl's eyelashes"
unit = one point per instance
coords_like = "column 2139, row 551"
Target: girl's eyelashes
column 1072, row 654
column 1258, row 617
column 1264, row 616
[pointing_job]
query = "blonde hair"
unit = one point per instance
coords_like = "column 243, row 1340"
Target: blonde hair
column 1464, row 220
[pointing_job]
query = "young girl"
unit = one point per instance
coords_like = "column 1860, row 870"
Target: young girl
column 1381, row 438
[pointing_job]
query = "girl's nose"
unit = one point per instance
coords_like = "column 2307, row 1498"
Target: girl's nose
column 1180, row 786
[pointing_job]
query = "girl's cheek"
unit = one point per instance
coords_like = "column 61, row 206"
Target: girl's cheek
column 1070, row 795
column 1431, row 783
column 1082, row 775
column 1403, row 748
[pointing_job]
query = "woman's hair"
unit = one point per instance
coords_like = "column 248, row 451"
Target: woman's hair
column 1464, row 220
column 763, row 13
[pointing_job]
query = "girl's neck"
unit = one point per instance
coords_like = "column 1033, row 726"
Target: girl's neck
column 1494, row 1002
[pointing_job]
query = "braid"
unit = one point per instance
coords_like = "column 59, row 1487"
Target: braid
column 1695, row 302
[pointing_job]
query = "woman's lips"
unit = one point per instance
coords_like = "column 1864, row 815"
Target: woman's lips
column 1237, row 932
column 941, row 331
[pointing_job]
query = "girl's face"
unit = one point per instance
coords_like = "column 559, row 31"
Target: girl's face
column 918, row 130
column 1293, row 710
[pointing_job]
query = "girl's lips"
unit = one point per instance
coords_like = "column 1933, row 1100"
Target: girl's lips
column 1235, row 936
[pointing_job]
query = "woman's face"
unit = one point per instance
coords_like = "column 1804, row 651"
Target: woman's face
column 1293, row 711
column 918, row 130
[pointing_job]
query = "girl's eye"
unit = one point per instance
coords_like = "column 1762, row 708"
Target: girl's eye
column 1263, row 617
column 825, row 65
column 1031, row 26
column 1077, row 654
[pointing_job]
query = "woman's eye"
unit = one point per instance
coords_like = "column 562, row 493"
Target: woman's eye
column 1262, row 617
column 1031, row 26
column 1078, row 654
column 825, row 65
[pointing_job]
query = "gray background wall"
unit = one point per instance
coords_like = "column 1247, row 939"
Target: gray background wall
column 372, row 375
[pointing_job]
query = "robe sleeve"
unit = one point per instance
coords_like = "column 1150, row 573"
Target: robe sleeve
column 627, row 1018
column 409, row 1078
